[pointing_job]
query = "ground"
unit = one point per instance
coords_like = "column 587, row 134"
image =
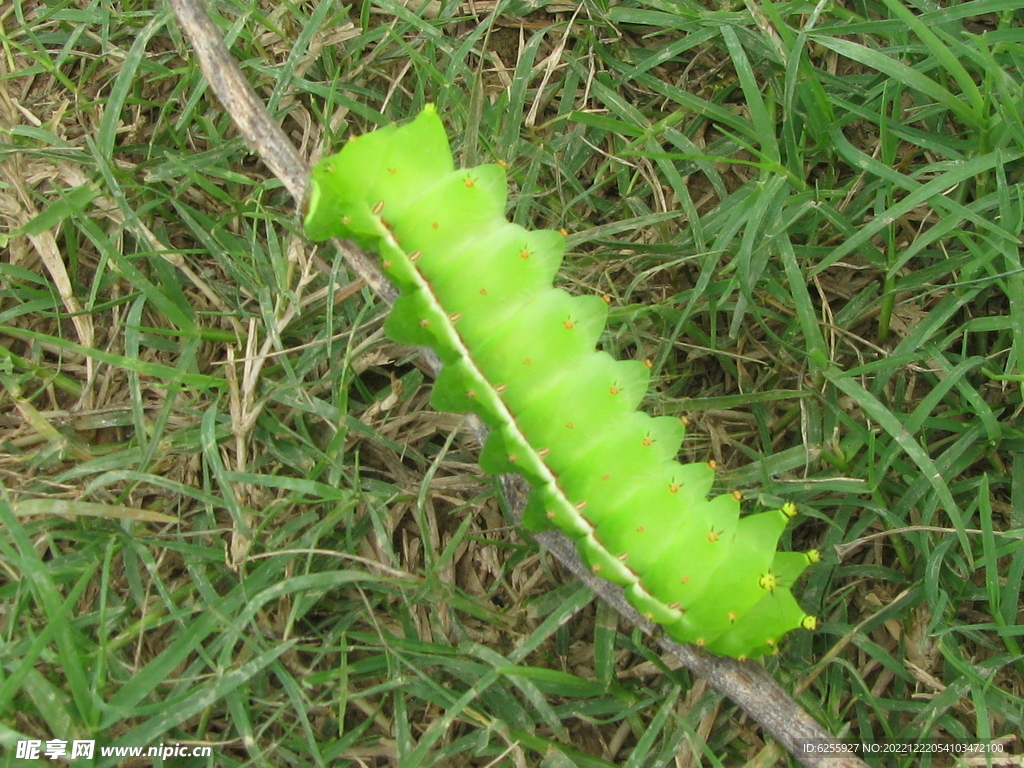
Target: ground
column 230, row 517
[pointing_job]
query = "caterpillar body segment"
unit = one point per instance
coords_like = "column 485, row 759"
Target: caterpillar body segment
column 522, row 355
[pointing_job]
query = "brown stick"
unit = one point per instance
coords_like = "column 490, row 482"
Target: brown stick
column 746, row 683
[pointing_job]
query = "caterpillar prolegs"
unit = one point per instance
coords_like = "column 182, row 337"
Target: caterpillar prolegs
column 522, row 355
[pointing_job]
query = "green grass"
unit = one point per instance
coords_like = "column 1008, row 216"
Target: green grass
column 808, row 217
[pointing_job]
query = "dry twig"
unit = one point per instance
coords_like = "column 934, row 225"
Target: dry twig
column 745, row 682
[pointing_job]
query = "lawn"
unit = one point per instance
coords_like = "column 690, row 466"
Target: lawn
column 229, row 517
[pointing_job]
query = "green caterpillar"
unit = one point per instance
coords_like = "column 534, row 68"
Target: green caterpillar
column 521, row 354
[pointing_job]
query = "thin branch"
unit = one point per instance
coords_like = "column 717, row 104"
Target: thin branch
column 747, row 683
